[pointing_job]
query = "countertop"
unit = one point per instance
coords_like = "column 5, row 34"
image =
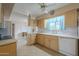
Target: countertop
column 61, row 35
column 7, row 41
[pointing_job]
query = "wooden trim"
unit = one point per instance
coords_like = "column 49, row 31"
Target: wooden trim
column 7, row 44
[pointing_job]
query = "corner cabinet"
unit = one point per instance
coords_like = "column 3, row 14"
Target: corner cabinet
column 40, row 39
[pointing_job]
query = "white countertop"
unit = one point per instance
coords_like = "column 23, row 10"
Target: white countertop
column 61, row 35
column 7, row 41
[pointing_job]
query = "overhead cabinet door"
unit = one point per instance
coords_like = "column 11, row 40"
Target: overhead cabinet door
column 71, row 18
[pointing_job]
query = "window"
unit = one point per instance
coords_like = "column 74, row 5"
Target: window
column 56, row 23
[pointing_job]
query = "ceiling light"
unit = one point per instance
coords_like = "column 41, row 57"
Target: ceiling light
column 43, row 7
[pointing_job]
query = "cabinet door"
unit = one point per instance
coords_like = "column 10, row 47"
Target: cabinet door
column 71, row 18
column 9, row 49
column 31, row 39
column 40, row 23
column 0, row 12
column 40, row 39
column 47, row 41
column 54, row 43
column 37, row 39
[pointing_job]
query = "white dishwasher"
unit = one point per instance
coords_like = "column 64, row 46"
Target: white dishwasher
column 68, row 46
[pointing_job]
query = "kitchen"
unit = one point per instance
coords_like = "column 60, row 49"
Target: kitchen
column 56, row 30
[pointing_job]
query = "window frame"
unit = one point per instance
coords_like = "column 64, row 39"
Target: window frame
column 55, row 21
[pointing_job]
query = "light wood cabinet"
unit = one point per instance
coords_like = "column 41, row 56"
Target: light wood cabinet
column 48, row 41
column 51, row 42
column 54, row 43
column 40, row 39
column 0, row 13
column 31, row 40
column 8, row 49
column 40, row 23
column 71, row 18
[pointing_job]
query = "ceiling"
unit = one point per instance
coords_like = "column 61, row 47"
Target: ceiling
column 20, row 10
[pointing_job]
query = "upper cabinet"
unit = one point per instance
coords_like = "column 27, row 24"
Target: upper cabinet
column 5, row 11
column 40, row 23
column 1, row 16
column 0, row 13
column 32, row 22
column 71, row 18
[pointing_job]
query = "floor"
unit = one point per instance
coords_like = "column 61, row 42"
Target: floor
column 52, row 52
column 34, row 50
column 31, row 51
column 24, row 50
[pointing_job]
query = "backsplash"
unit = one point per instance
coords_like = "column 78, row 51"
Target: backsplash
column 67, row 31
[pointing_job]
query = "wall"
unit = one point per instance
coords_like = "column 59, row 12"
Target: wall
column 20, row 27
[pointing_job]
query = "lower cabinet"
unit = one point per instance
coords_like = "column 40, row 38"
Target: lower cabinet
column 54, row 43
column 40, row 39
column 8, row 49
column 66, row 46
column 48, row 41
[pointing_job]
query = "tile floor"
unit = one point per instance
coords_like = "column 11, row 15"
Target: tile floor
column 34, row 50
column 24, row 50
column 31, row 51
